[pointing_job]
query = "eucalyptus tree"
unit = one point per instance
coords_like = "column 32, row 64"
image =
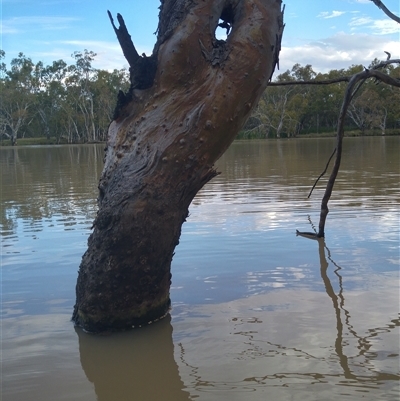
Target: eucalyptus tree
column 186, row 103
column 325, row 102
column 79, row 84
column 3, row 72
column 381, row 102
column 51, row 96
column 274, row 103
column 282, row 109
column 17, row 90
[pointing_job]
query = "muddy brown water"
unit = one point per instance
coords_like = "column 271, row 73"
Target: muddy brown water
column 257, row 314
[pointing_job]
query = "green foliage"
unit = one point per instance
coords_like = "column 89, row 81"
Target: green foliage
column 289, row 111
column 63, row 103
column 74, row 103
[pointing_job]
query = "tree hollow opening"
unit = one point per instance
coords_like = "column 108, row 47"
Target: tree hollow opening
column 225, row 23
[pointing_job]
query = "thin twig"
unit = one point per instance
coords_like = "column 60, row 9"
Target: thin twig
column 360, row 84
column 322, row 174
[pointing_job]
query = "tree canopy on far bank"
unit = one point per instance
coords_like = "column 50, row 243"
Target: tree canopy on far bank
column 70, row 103
column 293, row 110
column 74, row 103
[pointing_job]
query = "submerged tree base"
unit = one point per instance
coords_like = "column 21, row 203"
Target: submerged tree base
column 122, row 321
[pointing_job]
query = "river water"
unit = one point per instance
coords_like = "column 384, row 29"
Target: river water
column 258, row 313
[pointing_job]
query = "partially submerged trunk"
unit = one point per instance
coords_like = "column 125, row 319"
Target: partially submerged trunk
column 187, row 102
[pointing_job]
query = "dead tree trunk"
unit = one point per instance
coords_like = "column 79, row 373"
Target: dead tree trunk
column 355, row 82
column 186, row 104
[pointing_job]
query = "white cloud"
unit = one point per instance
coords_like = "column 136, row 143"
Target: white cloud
column 21, row 24
column 385, row 27
column 358, row 21
column 338, row 51
column 6, row 29
column 377, row 27
column 109, row 54
column 333, row 14
column 92, row 44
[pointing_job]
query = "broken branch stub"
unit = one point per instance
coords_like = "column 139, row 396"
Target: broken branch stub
column 162, row 147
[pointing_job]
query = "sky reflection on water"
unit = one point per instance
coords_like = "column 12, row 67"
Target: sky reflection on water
column 257, row 311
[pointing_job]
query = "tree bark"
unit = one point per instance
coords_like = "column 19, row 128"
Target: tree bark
column 186, row 104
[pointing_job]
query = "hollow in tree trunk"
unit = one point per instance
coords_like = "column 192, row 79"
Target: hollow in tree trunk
column 186, row 104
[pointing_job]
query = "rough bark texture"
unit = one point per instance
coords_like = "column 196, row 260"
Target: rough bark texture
column 162, row 146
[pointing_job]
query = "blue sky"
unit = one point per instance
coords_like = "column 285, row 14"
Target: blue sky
column 324, row 33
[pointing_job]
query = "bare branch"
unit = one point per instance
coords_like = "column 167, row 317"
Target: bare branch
column 313, row 82
column 142, row 68
column 346, row 78
column 125, row 40
column 349, row 94
column 385, row 63
column 380, row 5
column 323, row 173
column 355, row 82
column 384, row 78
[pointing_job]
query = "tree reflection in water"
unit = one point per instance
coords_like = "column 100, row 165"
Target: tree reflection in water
column 364, row 343
column 135, row 365
column 141, row 365
column 261, row 362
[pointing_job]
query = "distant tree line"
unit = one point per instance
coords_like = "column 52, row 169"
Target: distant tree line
column 292, row 110
column 75, row 103
column 69, row 103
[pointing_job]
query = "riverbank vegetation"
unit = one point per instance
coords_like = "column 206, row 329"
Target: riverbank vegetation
column 74, row 103
column 59, row 102
column 310, row 110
